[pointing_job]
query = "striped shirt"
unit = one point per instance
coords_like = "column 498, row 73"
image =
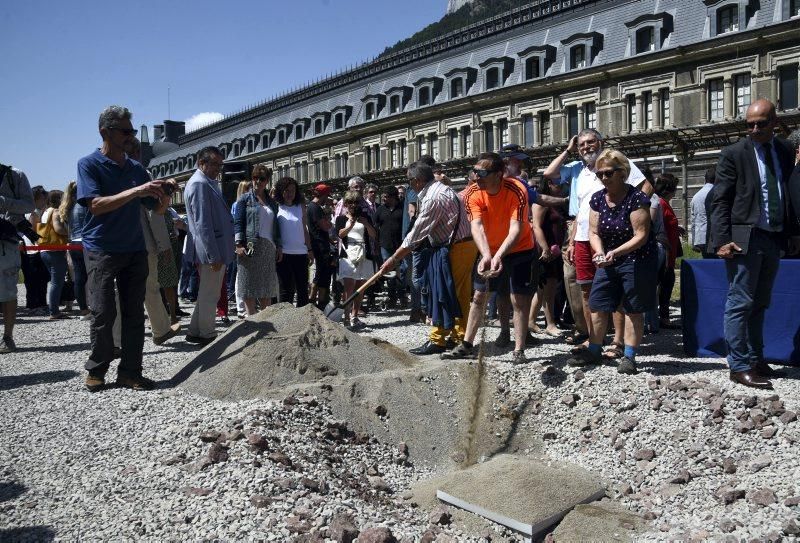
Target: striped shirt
column 438, row 210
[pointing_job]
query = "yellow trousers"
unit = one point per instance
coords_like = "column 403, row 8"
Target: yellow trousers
column 462, row 260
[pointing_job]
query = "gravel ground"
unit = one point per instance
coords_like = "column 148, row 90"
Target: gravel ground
column 678, row 442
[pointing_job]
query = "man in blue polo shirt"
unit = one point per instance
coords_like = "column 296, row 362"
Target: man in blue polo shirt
column 112, row 187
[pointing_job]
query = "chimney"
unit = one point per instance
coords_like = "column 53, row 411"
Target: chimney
column 158, row 133
column 174, row 130
column 144, row 136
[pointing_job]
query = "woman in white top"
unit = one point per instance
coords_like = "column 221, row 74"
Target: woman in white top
column 295, row 243
column 355, row 257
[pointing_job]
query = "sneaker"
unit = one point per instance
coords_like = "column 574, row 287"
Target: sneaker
column 358, row 324
column 461, row 351
column 200, row 340
column 173, row 331
column 504, row 339
column 94, row 383
column 7, row 345
column 627, row 366
column 584, row 358
column 136, row 383
column 518, row 357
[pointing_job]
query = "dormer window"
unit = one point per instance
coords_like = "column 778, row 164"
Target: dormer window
column 298, row 132
column 398, row 98
column 251, row 144
column 727, row 19
column 492, row 78
column 369, row 113
column 645, row 40
column 424, row 96
column 456, row 88
column 577, row 57
column 794, row 8
column 318, row 127
column 338, row 121
column 394, row 104
column 264, row 140
column 583, row 49
column 532, row 68
column 281, row 136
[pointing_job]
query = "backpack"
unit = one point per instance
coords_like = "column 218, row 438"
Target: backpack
column 48, row 234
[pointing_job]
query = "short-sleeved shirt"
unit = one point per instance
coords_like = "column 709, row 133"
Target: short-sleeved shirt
column 497, row 211
column 118, row 231
column 614, row 224
column 584, row 187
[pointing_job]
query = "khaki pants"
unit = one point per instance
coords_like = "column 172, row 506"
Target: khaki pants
column 159, row 318
column 462, row 260
column 205, row 310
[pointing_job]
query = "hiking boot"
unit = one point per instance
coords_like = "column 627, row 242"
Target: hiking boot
column 7, row 345
column 626, row 365
column 518, row 357
column 173, row 331
column 95, row 383
column 584, row 358
column 460, row 352
column 503, row 339
column 136, row 383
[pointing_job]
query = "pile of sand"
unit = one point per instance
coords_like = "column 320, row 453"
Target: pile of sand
column 281, row 346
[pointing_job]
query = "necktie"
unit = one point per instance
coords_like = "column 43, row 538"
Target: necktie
column 773, row 196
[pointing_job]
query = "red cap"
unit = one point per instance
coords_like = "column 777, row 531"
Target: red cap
column 322, row 190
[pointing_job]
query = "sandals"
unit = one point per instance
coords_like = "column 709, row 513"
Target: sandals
column 614, row 351
column 575, row 338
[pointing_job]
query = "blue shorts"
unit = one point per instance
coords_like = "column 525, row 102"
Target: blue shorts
column 519, row 275
column 632, row 283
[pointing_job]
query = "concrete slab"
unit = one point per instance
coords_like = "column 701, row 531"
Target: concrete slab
column 526, row 495
column 605, row 520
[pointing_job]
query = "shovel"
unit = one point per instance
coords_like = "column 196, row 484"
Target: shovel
column 335, row 312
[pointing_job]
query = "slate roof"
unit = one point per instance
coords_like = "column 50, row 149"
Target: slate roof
column 606, row 17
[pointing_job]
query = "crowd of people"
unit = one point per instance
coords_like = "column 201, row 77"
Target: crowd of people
column 589, row 244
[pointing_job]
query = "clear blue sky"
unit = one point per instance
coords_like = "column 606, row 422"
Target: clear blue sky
column 64, row 61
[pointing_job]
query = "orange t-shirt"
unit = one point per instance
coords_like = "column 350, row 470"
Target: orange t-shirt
column 497, row 211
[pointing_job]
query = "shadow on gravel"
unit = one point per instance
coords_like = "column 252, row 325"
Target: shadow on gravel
column 28, row 533
column 9, row 491
column 67, row 348
column 679, row 367
column 16, row 381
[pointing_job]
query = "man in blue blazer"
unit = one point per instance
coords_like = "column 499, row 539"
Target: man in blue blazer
column 753, row 216
column 209, row 244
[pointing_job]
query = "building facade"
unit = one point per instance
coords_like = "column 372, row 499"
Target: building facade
column 660, row 78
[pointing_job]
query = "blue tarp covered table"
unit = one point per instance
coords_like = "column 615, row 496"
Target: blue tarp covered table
column 704, row 286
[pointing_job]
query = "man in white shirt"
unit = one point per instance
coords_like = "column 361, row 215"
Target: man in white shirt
column 588, row 144
column 699, row 228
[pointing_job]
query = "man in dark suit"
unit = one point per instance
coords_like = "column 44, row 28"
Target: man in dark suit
column 752, row 204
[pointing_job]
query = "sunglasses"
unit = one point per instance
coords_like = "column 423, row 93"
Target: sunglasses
column 761, row 124
column 125, row 131
column 606, row 174
column 482, row 173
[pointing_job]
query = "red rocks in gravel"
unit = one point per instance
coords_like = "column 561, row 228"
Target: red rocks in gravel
column 645, row 454
column 217, row 453
column 788, row 417
column 196, row 491
column 257, row 442
column 260, row 501
column 440, row 515
column 377, row 535
column 280, row 458
column 342, row 529
column 762, row 497
column 729, row 466
column 681, row 478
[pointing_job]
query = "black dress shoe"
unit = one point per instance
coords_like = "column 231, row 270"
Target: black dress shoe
column 763, row 370
column 750, row 379
column 450, row 344
column 199, row 340
column 428, row 348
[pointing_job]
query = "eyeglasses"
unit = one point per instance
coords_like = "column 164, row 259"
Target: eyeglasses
column 482, row 173
column 125, row 131
column 606, row 174
column 761, row 124
column 370, row 192
column 262, row 177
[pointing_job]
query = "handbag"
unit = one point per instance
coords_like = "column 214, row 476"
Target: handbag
column 48, row 234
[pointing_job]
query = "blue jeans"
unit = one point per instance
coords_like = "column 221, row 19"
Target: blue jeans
column 56, row 263
column 79, row 267
column 750, row 279
column 419, row 261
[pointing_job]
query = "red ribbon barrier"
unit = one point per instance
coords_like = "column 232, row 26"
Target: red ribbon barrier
column 70, row 247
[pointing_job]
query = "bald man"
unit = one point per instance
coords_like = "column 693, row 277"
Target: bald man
column 753, row 216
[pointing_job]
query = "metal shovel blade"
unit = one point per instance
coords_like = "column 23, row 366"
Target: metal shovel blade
column 334, row 313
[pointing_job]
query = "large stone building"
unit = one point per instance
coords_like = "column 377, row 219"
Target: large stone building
column 666, row 80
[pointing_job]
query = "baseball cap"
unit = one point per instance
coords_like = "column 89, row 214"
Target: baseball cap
column 322, row 190
column 512, row 150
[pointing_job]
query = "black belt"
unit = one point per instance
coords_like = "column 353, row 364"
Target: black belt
column 464, row 239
